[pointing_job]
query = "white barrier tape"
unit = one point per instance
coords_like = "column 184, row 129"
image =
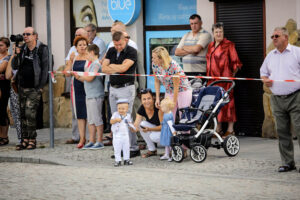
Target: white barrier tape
column 204, row 77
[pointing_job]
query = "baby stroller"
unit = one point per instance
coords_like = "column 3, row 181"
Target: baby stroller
column 200, row 120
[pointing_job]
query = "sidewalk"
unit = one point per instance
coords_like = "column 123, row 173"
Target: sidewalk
column 252, row 174
column 255, row 153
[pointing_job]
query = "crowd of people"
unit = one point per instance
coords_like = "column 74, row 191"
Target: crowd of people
column 24, row 74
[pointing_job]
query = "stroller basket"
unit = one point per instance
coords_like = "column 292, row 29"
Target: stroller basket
column 189, row 140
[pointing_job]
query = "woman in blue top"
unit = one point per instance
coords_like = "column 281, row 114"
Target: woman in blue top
column 77, row 87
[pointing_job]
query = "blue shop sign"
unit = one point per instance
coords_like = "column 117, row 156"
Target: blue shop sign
column 169, row 12
column 126, row 11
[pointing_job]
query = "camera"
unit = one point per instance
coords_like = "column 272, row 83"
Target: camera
column 16, row 38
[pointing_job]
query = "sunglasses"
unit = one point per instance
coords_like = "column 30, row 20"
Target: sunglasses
column 275, row 36
column 27, row 34
column 145, row 91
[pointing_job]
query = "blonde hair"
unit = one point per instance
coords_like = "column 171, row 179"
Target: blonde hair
column 163, row 54
column 168, row 102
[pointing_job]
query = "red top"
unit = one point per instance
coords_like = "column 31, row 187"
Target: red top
column 222, row 61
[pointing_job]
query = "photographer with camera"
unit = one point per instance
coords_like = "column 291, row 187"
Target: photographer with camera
column 31, row 61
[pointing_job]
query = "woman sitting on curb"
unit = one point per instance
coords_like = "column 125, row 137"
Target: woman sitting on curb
column 148, row 122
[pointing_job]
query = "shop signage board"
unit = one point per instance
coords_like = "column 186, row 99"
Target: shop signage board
column 126, row 11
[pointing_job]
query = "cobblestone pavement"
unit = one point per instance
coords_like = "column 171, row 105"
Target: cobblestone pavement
column 90, row 174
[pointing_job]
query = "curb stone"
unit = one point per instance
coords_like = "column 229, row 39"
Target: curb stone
column 27, row 160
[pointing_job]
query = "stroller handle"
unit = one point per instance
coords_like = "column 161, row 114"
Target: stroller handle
column 224, row 81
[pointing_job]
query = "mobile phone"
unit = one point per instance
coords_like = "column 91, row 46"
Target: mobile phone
column 142, row 127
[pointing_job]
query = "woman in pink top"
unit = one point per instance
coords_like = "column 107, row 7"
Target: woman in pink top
column 177, row 88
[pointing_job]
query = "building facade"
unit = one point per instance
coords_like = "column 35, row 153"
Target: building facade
column 248, row 23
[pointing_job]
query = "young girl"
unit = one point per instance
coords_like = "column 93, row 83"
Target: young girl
column 167, row 129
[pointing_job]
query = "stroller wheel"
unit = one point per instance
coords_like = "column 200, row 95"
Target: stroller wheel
column 231, row 145
column 177, row 153
column 198, row 153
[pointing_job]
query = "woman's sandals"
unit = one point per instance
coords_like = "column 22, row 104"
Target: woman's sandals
column 149, row 153
column 4, row 141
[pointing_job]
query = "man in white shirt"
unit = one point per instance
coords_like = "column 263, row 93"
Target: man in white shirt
column 91, row 30
column 79, row 32
column 283, row 63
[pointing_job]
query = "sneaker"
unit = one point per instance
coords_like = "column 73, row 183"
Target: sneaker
column 117, row 164
column 97, row 145
column 170, row 160
column 164, row 157
column 128, row 162
column 88, row 145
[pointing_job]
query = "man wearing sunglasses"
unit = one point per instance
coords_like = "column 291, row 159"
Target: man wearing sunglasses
column 283, row 63
column 31, row 61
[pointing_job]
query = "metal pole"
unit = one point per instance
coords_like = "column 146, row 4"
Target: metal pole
column 50, row 69
column 5, row 17
column 28, row 13
column 10, row 17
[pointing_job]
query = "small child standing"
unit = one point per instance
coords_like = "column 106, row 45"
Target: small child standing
column 94, row 90
column 167, row 129
column 121, row 121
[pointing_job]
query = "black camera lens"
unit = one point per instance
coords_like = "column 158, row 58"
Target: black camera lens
column 16, row 38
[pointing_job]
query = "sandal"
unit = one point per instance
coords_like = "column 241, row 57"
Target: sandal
column 22, row 145
column 4, row 141
column 142, row 146
column 31, row 144
column 228, row 133
column 149, row 153
column 108, row 138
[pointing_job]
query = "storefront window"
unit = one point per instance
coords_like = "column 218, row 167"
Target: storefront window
column 165, row 23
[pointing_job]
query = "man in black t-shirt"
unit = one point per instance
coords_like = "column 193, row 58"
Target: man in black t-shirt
column 121, row 59
column 31, row 61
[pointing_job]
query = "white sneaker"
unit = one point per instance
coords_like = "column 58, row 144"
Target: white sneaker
column 170, row 159
column 165, row 157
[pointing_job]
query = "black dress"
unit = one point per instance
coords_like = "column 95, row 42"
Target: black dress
column 5, row 88
column 78, row 93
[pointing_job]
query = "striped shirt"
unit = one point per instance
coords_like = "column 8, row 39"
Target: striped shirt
column 195, row 63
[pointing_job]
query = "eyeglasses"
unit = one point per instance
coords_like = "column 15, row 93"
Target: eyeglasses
column 275, row 36
column 145, row 91
column 27, row 34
